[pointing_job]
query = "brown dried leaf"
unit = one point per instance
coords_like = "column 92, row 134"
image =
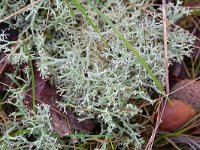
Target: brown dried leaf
column 188, row 91
column 5, row 67
column 61, row 122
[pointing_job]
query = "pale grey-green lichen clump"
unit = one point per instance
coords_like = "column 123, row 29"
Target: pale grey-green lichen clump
column 94, row 79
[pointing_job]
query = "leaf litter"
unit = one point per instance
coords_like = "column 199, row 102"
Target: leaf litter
column 62, row 122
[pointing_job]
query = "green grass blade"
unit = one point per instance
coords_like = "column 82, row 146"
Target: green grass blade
column 32, row 80
column 107, row 20
column 78, row 5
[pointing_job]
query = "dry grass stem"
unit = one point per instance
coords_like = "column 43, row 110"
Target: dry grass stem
column 19, row 11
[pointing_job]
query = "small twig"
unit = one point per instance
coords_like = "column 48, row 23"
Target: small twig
column 162, row 102
column 165, row 45
column 158, row 121
column 19, row 11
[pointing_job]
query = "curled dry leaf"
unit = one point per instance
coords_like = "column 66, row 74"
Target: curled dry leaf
column 188, row 92
column 184, row 104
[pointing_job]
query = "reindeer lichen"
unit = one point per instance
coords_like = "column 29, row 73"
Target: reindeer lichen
column 95, row 79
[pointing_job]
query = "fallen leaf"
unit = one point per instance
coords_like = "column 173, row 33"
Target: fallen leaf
column 62, row 122
column 5, row 67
